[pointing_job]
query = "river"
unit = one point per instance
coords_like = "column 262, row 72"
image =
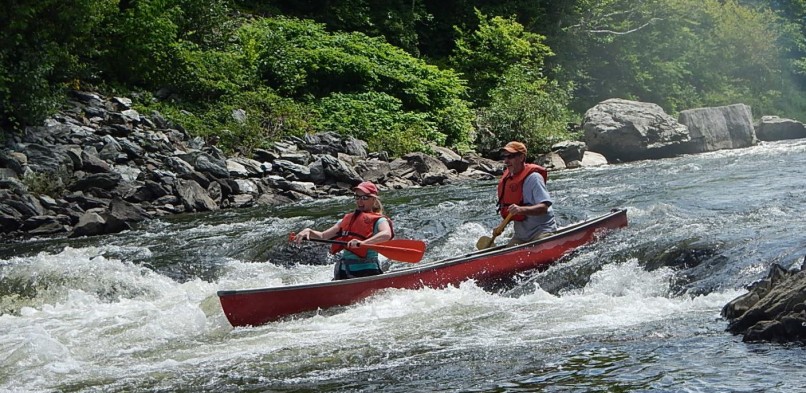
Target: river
column 637, row 311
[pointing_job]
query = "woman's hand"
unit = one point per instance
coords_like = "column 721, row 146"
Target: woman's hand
column 304, row 234
column 354, row 243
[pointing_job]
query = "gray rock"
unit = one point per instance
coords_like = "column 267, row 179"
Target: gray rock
column 207, row 163
column 193, row 197
column 90, row 224
column 774, row 128
column 630, row 130
column 551, row 161
column 593, row 159
column 104, row 181
column 338, row 171
column 451, row 159
column 570, row 150
column 717, row 128
column 774, row 309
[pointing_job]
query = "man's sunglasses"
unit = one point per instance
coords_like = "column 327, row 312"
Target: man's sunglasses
column 508, row 156
column 361, row 197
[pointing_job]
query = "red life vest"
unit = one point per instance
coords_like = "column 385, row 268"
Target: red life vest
column 357, row 225
column 510, row 188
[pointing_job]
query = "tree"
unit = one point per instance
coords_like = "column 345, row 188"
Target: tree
column 676, row 53
column 482, row 56
column 43, row 45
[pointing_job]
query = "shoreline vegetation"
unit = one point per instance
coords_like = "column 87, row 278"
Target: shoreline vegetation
column 402, row 76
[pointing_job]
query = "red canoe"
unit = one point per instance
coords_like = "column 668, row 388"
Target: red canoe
column 258, row 306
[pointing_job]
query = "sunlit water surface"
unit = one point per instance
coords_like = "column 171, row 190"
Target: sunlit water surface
column 637, row 311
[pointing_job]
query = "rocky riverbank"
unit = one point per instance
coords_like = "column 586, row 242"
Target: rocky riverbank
column 100, row 167
column 774, row 308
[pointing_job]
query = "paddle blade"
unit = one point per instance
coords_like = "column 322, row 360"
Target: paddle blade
column 484, row 242
column 403, row 250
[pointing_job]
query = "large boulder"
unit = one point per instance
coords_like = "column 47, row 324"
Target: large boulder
column 717, row 128
column 553, row 161
column 774, row 128
column 629, row 130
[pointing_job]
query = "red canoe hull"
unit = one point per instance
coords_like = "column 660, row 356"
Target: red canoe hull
column 258, row 306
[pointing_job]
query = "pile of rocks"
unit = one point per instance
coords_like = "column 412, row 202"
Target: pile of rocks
column 774, row 308
column 99, row 166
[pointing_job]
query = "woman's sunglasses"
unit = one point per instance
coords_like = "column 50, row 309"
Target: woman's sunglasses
column 361, row 197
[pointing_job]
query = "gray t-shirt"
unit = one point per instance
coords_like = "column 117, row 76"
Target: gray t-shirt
column 535, row 192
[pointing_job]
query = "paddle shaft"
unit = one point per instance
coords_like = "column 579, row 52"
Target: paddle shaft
column 403, row 250
column 486, row 241
column 500, row 228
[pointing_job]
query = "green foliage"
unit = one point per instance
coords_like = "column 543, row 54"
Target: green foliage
column 397, row 20
column 147, row 42
column 455, row 121
column 203, row 75
column 486, row 53
column 268, row 118
column 355, row 74
column 527, row 108
column 379, row 119
column 51, row 184
column 139, row 42
column 679, row 54
column 41, row 46
column 301, row 60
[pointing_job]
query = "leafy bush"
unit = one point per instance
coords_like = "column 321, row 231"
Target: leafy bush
column 42, row 44
column 486, row 53
column 204, row 75
column 301, row 60
column 268, row 118
column 378, row 118
column 51, row 184
column 527, row 108
column 139, row 39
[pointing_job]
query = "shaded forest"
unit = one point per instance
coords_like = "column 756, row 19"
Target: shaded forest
column 402, row 75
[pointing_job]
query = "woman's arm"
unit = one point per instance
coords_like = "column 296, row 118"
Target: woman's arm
column 309, row 233
column 384, row 234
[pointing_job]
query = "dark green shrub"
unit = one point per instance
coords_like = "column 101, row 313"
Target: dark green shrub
column 525, row 107
column 300, row 59
column 42, row 47
column 484, row 55
column 50, row 184
column 379, row 119
column 268, row 118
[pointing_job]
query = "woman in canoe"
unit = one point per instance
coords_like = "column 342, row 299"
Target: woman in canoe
column 366, row 225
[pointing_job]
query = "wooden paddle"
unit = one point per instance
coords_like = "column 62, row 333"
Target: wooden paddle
column 403, row 250
column 486, row 241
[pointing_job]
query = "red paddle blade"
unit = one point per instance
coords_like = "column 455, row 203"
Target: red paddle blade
column 403, row 250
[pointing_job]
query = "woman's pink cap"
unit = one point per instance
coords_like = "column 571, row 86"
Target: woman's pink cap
column 368, row 188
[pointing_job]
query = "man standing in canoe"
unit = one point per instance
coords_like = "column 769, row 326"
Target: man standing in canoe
column 522, row 192
column 366, row 225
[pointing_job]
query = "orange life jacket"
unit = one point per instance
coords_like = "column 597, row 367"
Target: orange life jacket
column 357, row 225
column 510, row 188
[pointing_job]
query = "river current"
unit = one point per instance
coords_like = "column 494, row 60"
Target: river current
column 637, row 311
